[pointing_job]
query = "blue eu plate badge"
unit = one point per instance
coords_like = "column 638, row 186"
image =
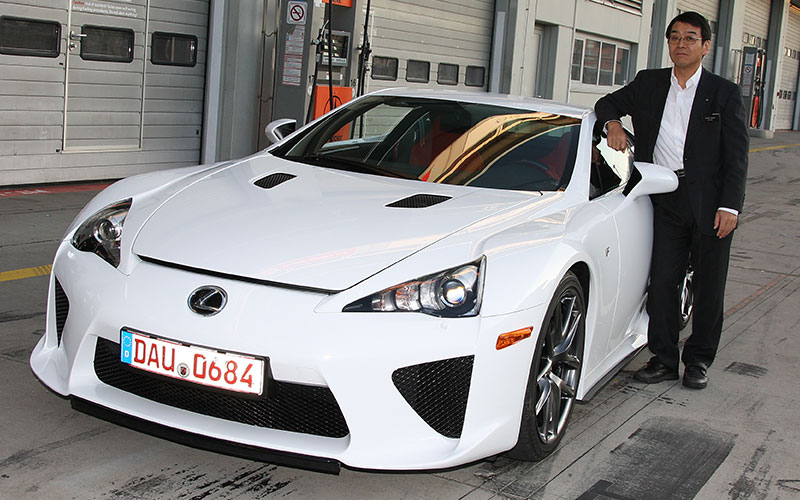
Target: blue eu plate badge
column 126, row 344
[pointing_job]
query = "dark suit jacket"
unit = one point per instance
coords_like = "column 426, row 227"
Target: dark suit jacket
column 717, row 143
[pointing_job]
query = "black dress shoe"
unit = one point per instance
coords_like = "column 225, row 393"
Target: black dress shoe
column 695, row 377
column 655, row 371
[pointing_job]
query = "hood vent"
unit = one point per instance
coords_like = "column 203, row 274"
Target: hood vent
column 419, row 201
column 273, row 180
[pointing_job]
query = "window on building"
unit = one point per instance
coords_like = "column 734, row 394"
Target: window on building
column 102, row 43
column 621, row 68
column 607, row 53
column 29, row 37
column 596, row 62
column 475, row 76
column 173, row 49
column 577, row 59
column 418, row 71
column 631, row 5
column 384, row 68
column 591, row 62
column 448, row 74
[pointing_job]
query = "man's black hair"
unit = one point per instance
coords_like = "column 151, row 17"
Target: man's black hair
column 695, row 19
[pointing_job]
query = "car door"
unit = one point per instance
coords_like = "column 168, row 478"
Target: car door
column 611, row 173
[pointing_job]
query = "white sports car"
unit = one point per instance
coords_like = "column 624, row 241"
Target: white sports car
column 417, row 280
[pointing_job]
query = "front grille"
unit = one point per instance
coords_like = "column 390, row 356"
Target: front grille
column 289, row 407
column 438, row 392
column 62, row 309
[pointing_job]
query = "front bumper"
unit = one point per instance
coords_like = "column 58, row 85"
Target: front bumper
column 371, row 364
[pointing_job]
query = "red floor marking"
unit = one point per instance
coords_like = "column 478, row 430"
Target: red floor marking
column 68, row 188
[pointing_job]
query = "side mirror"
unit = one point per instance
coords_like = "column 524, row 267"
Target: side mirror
column 278, row 129
column 655, row 179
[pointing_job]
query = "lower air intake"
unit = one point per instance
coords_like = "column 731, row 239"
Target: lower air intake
column 62, row 309
column 292, row 407
column 438, row 392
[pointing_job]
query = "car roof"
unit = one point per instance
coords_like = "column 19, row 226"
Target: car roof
column 529, row 103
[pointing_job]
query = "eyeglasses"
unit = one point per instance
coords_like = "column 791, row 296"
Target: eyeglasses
column 688, row 40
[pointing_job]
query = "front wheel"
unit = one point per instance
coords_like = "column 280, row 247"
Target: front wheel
column 554, row 375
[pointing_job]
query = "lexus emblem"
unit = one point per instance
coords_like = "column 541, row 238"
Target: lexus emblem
column 208, row 300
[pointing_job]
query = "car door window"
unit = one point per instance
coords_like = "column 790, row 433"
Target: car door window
column 610, row 168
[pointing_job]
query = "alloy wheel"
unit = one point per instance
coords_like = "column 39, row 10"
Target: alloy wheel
column 559, row 367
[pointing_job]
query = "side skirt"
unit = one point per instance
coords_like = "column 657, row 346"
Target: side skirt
column 592, row 392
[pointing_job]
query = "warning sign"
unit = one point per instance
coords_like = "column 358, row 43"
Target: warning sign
column 342, row 3
column 324, row 101
column 296, row 12
column 108, row 8
column 293, row 56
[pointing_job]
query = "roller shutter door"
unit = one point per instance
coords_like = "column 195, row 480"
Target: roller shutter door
column 756, row 22
column 173, row 111
column 787, row 91
column 447, row 42
column 100, row 108
column 31, row 96
column 710, row 10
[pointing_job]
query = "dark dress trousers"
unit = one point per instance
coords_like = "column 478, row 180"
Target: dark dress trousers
column 715, row 166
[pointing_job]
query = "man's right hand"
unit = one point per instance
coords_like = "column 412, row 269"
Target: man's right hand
column 617, row 138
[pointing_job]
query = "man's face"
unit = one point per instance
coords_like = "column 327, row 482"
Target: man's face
column 684, row 52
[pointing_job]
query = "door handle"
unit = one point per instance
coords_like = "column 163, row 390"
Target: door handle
column 77, row 36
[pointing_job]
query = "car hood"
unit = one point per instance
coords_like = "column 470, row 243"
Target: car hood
column 308, row 226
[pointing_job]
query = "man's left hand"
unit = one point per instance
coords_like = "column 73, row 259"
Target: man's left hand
column 725, row 223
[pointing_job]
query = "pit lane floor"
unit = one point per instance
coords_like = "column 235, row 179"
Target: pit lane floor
column 734, row 440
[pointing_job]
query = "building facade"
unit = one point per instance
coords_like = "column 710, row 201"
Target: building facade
column 104, row 89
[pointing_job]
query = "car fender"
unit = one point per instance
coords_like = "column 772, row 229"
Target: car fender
column 523, row 273
column 140, row 185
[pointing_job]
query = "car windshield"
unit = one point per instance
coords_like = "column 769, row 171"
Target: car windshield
column 443, row 141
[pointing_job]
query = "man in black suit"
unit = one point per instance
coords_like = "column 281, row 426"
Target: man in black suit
column 693, row 122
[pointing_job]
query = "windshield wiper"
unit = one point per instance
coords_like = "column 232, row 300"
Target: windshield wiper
column 347, row 165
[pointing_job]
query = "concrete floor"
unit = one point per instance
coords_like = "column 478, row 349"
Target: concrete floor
column 735, row 440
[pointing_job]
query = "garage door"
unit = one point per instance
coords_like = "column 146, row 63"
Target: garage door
column 787, row 90
column 100, row 89
column 105, row 77
column 756, row 23
column 431, row 43
column 710, row 10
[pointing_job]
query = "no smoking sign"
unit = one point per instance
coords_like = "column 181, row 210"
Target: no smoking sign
column 296, row 12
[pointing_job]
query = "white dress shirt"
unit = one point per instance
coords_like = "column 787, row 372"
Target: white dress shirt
column 675, row 121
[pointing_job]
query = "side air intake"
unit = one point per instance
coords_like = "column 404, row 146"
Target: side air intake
column 419, row 201
column 438, row 392
column 273, row 180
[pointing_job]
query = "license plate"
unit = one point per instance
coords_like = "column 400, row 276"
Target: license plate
column 199, row 365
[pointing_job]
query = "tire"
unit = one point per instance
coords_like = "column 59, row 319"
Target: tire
column 554, row 375
column 686, row 303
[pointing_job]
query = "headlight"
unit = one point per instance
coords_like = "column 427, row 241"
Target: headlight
column 102, row 232
column 452, row 293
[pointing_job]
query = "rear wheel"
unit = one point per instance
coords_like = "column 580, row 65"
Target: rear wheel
column 687, row 298
column 554, row 375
